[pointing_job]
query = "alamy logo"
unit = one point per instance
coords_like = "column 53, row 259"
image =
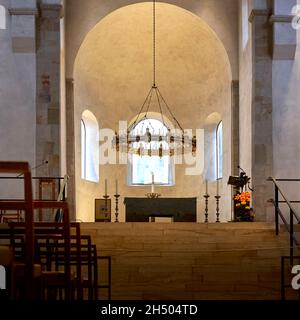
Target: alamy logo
column 296, row 279
column 2, row 278
column 296, row 19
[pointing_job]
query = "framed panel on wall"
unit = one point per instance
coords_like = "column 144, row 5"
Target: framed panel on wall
column 102, row 214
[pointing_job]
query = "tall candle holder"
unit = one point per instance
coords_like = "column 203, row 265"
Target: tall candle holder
column 106, row 197
column 117, row 196
column 218, row 208
column 206, row 196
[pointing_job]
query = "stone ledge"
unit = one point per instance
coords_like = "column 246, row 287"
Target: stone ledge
column 23, row 11
column 51, row 7
column 259, row 12
column 281, row 18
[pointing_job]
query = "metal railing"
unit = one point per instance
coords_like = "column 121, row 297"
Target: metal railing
column 288, row 223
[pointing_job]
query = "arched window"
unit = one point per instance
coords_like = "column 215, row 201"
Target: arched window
column 89, row 147
column 2, row 18
column 83, row 149
column 245, row 23
column 147, row 168
column 219, row 151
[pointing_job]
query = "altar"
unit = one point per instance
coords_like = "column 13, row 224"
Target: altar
column 143, row 209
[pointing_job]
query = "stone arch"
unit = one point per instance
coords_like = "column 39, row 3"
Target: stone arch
column 219, row 18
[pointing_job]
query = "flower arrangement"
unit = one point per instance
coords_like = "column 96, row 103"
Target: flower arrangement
column 242, row 208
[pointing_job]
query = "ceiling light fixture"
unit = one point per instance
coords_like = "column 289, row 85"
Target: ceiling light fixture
column 178, row 141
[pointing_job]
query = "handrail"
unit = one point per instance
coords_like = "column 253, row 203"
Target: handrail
column 289, row 225
column 286, row 223
column 284, row 197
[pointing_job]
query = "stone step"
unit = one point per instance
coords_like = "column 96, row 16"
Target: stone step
column 192, row 261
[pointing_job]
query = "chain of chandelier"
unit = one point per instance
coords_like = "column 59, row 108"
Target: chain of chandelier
column 149, row 142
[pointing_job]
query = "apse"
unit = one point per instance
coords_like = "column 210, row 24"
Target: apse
column 113, row 73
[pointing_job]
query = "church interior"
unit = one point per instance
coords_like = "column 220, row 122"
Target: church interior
column 149, row 149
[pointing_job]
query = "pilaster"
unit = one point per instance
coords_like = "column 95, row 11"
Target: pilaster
column 235, row 126
column 48, row 88
column 70, row 145
column 262, row 142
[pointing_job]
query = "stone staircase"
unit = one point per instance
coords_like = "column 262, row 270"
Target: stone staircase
column 191, row 261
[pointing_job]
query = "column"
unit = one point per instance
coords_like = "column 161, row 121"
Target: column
column 70, row 146
column 48, row 88
column 262, row 142
column 235, row 126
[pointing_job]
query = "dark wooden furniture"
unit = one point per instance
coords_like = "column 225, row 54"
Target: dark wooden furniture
column 47, row 257
column 26, row 205
column 143, row 209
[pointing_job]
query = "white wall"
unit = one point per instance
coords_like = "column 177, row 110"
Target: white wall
column 286, row 129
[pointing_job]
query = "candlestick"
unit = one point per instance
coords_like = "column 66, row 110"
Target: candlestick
column 206, row 196
column 218, row 208
column 117, row 196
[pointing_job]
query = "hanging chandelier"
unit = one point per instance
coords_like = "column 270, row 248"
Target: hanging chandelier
column 148, row 140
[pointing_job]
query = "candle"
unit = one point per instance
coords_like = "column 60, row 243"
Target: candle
column 116, row 186
column 106, row 187
column 152, row 185
column 217, row 187
column 206, row 187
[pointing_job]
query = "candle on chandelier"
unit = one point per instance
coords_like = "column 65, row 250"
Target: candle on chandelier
column 152, row 185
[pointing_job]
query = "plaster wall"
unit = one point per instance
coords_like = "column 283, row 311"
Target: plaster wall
column 220, row 15
column 286, row 129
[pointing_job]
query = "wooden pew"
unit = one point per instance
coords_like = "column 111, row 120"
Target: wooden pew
column 25, row 205
column 52, row 233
